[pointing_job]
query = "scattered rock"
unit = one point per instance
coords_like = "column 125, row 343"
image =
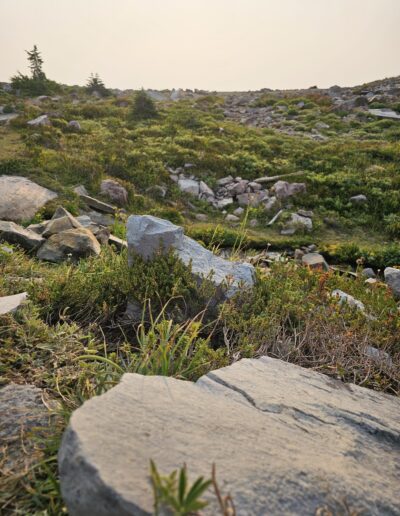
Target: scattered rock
column 283, row 189
column 302, row 438
column 81, row 190
column 21, row 198
column 157, row 191
column 315, row 261
column 298, row 221
column 239, row 211
column 378, row 355
column 147, row 235
column 98, row 205
column 114, row 191
column 270, row 203
column 42, row 120
column 117, row 242
column 60, row 223
column 368, row 273
column 348, row 299
column 251, row 199
column 22, row 411
column 385, row 113
column 358, row 199
column 232, row 218
column 15, row 234
column 205, row 190
column 201, row 217
column 71, row 244
column 189, row 186
column 392, row 279
column 10, row 304
column 225, row 181
column 74, row 125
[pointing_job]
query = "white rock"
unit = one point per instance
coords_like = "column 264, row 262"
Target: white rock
column 39, row 121
column 345, row 298
column 10, row 304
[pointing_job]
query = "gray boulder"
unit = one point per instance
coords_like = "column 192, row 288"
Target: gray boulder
column 285, row 440
column 114, row 191
column 62, row 220
column 347, row 299
column 189, row 186
column 392, row 279
column 98, row 205
column 299, row 221
column 70, row 244
column 10, row 304
column 74, row 125
column 368, row 273
column 283, row 189
column 22, row 411
column 252, row 199
column 20, row 198
column 15, row 234
column 146, row 235
column 315, row 261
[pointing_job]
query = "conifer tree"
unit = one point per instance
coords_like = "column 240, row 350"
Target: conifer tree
column 143, row 107
column 36, row 63
column 95, row 83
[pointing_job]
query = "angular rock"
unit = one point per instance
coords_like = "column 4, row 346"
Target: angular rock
column 146, row 236
column 224, row 181
column 15, row 234
column 315, row 261
column 239, row 211
column 358, row 199
column 298, row 221
column 118, row 243
column 60, row 223
column 392, row 279
column 345, row 298
column 270, row 203
column 284, row 439
column 232, row 218
column 22, row 411
column 368, row 273
column 114, row 191
column 81, row 190
column 223, row 203
column 21, row 198
column 71, row 244
column 189, row 186
column 41, row 120
column 283, row 189
column 98, row 205
column 10, row 304
column 252, row 199
column 205, row 190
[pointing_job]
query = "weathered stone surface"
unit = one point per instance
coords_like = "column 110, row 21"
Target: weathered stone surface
column 283, row 189
column 74, row 125
column 385, row 113
column 315, row 261
column 299, row 221
column 15, row 234
column 189, row 186
column 39, row 121
column 60, row 223
column 283, row 439
column 117, row 242
column 347, row 299
column 98, row 205
column 253, row 199
column 71, row 244
column 368, row 273
column 20, row 198
column 22, row 411
column 10, row 304
column 114, row 191
column 146, row 234
column 392, row 278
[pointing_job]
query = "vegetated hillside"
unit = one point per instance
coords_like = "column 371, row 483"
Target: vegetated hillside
column 73, row 339
column 358, row 155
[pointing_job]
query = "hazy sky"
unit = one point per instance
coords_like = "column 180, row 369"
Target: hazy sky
column 210, row 44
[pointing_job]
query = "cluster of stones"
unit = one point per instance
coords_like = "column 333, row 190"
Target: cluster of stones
column 64, row 236
column 240, row 106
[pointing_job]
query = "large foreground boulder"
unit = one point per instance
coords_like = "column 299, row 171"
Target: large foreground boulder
column 70, row 244
column 147, row 235
column 20, row 198
column 283, row 438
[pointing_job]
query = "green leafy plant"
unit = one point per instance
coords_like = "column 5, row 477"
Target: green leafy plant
column 174, row 493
